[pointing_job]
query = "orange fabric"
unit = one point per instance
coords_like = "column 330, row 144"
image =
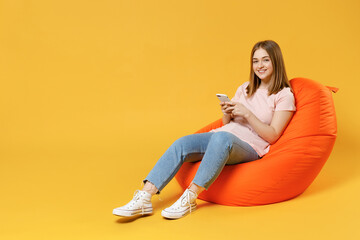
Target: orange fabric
column 293, row 161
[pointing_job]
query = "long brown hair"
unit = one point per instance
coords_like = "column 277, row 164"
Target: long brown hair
column 279, row 77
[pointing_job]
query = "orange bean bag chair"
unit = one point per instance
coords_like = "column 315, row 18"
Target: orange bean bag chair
column 293, row 161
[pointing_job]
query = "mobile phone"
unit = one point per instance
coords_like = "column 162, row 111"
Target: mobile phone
column 223, row 97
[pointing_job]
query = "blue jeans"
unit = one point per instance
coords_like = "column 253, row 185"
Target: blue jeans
column 213, row 149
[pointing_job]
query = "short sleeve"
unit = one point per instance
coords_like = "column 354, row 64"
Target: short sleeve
column 239, row 91
column 285, row 100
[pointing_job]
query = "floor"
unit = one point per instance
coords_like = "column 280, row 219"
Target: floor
column 72, row 197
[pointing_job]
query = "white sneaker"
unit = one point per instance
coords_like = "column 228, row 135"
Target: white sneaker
column 139, row 205
column 184, row 205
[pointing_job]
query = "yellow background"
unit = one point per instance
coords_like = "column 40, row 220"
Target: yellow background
column 93, row 92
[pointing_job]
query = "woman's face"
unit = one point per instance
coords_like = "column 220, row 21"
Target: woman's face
column 262, row 65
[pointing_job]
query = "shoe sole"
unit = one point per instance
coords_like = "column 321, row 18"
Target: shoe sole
column 171, row 215
column 124, row 213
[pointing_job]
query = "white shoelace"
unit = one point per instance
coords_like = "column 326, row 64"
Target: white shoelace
column 136, row 198
column 188, row 198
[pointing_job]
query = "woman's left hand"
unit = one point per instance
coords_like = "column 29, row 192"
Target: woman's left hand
column 240, row 110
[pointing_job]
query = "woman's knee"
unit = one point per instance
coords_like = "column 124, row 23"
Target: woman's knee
column 223, row 139
column 182, row 141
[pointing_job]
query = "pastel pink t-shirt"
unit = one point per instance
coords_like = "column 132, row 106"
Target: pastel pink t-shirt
column 263, row 107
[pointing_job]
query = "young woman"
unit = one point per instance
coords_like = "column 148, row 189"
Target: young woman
column 253, row 120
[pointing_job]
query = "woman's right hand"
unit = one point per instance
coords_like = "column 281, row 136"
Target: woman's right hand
column 227, row 108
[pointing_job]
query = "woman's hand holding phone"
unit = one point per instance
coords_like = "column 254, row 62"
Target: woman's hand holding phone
column 235, row 109
column 225, row 103
column 227, row 107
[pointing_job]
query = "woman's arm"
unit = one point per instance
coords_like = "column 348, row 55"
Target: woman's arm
column 269, row 133
column 226, row 118
column 272, row 132
column 227, row 111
